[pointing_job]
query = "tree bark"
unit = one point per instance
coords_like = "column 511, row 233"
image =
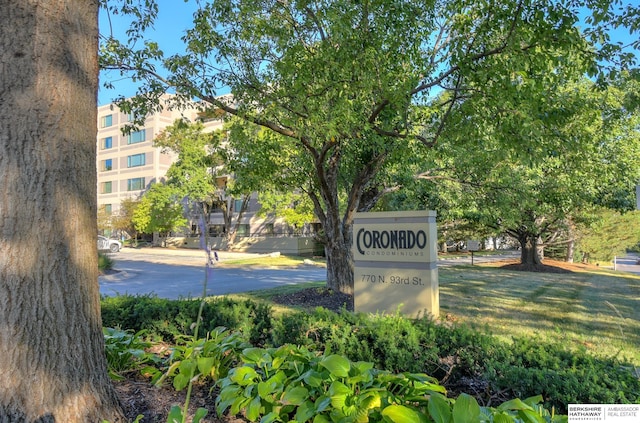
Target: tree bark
column 571, row 248
column 529, row 249
column 52, row 365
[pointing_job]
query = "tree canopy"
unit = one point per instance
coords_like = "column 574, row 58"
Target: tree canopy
column 580, row 153
column 160, row 210
column 353, row 86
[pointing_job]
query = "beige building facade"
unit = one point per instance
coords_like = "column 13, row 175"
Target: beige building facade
column 128, row 164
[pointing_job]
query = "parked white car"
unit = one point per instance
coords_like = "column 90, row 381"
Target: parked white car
column 106, row 244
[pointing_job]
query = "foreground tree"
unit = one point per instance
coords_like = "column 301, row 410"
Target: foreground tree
column 339, row 81
column 52, row 365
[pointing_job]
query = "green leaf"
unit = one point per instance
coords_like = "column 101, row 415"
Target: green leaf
column 439, row 408
column 180, row 381
column 254, row 355
column 322, row 403
column 270, row 417
column 296, row 395
column 336, row 364
column 305, row 411
column 514, row 404
column 466, row 409
column 205, row 364
column 175, row 415
column 321, row 418
column 339, row 392
column 243, row 375
column 253, row 409
column 530, row 416
column 402, row 414
column 266, row 391
column 313, row 378
column 535, row 400
column 200, row 414
column 503, row 418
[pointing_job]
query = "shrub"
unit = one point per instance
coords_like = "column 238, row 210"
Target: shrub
column 454, row 354
column 561, row 376
column 125, row 351
column 169, row 319
column 105, row 262
column 294, row 384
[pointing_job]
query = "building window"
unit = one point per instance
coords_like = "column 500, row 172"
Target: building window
column 136, row 137
column 243, row 230
column 106, row 188
column 135, row 184
column 106, row 143
column 131, row 117
column 107, row 208
column 106, row 121
column 107, row 165
column 136, row 160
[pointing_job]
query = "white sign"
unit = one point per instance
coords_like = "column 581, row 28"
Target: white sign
column 613, row 413
column 473, row 245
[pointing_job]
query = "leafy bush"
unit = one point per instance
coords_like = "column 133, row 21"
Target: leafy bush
column 125, row 351
column 294, row 384
column 202, row 359
column 453, row 354
column 170, row 319
column 562, row 377
column 104, row 262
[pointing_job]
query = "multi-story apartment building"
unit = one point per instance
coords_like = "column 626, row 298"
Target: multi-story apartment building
column 129, row 164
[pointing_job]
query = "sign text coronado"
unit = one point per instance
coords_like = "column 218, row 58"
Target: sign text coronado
column 390, row 239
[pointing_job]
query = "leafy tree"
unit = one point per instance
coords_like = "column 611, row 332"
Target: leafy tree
column 191, row 172
column 104, row 219
column 160, row 211
column 295, row 208
column 123, row 220
column 206, row 160
column 610, row 235
column 338, row 82
column 583, row 152
column 52, row 365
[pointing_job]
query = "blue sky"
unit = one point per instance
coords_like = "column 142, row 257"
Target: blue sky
column 174, row 18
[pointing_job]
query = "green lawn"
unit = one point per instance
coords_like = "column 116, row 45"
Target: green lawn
column 594, row 310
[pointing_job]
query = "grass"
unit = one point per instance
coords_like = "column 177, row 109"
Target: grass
column 269, row 261
column 594, row 310
column 591, row 309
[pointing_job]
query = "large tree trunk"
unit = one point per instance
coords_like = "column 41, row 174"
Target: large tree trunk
column 52, row 363
column 339, row 265
column 529, row 249
column 571, row 248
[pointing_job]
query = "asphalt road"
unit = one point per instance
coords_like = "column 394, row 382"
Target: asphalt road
column 627, row 263
column 179, row 274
